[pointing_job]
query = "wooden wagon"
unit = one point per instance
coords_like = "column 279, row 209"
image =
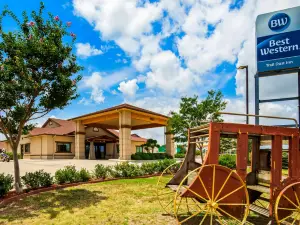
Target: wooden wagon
column 208, row 193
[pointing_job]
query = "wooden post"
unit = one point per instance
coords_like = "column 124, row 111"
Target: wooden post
column 242, row 155
column 214, row 144
column 276, row 168
column 294, row 156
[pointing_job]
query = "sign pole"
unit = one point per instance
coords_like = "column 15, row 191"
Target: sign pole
column 299, row 96
column 256, row 78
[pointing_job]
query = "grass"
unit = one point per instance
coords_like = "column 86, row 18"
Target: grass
column 119, row 202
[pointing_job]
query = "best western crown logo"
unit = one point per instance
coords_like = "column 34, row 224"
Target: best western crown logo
column 279, row 22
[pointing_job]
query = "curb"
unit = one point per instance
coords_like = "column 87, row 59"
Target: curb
column 5, row 201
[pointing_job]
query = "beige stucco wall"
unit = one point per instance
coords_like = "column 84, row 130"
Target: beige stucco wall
column 44, row 147
column 89, row 132
column 134, row 144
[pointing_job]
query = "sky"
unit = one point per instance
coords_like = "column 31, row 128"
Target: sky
column 150, row 53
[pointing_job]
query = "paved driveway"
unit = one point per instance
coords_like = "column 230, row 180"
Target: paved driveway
column 51, row 166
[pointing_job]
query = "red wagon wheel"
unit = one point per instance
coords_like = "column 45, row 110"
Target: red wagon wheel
column 287, row 205
column 220, row 194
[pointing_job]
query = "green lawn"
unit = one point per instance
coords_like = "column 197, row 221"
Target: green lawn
column 114, row 202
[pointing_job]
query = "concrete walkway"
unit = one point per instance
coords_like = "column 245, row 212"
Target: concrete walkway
column 51, row 166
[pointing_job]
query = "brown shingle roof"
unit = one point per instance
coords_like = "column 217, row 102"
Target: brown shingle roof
column 122, row 106
column 1, row 144
column 66, row 127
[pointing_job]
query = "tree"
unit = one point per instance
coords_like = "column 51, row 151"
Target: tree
column 151, row 144
column 193, row 113
column 37, row 73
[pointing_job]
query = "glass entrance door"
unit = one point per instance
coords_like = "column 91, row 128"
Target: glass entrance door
column 100, row 150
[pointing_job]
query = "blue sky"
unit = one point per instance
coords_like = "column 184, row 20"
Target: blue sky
column 150, row 53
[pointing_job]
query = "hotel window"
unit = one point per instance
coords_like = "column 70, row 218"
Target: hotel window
column 25, row 148
column 139, row 149
column 63, row 147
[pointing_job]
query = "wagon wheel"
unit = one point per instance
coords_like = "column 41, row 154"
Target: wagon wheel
column 165, row 195
column 287, row 205
column 220, row 194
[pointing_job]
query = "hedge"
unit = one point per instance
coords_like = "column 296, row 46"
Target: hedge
column 11, row 156
column 228, row 161
column 150, row 156
column 6, row 184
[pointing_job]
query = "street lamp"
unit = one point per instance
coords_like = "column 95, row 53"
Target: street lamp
column 247, row 91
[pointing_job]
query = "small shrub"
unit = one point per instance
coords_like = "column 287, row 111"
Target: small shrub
column 163, row 164
column 66, row 175
column 179, row 155
column 37, row 179
column 83, row 175
column 150, row 168
column 6, row 184
column 150, row 156
column 198, row 152
column 126, row 169
column 101, row 171
column 228, row 161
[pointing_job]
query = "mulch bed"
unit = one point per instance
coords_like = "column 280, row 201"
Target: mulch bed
column 12, row 196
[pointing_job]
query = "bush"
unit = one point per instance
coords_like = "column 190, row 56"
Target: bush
column 163, row 164
column 11, row 156
column 37, row 179
column 66, row 175
column 150, row 156
column 150, row 168
column 6, row 183
column 228, row 161
column 83, row 175
column 101, row 171
column 198, row 152
column 126, row 169
column 179, row 155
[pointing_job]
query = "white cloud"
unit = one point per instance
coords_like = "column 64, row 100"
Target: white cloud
column 129, row 88
column 85, row 50
column 99, row 82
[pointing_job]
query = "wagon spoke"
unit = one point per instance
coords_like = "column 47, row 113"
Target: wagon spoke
column 167, row 193
column 289, row 200
column 235, row 204
column 230, row 193
column 211, row 218
column 296, row 196
column 178, row 205
column 218, row 215
column 289, row 209
column 196, row 203
column 203, row 219
column 295, row 219
column 170, row 172
column 231, row 216
column 224, row 185
column 195, row 214
column 195, row 193
column 285, row 218
column 213, row 184
column 204, row 187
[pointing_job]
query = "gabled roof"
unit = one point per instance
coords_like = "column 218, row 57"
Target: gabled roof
column 65, row 127
column 122, row 106
column 68, row 127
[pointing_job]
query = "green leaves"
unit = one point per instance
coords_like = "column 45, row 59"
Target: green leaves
column 37, row 68
column 193, row 113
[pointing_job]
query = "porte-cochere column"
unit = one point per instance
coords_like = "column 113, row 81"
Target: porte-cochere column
column 170, row 146
column 79, row 140
column 125, row 134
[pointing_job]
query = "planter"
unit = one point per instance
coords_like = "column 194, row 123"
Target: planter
column 12, row 196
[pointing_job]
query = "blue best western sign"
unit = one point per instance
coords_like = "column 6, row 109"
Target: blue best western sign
column 278, row 40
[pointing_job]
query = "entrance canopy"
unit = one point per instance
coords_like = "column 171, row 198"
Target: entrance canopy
column 110, row 118
column 124, row 118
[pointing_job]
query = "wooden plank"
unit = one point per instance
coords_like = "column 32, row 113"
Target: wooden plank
column 259, row 210
column 259, row 188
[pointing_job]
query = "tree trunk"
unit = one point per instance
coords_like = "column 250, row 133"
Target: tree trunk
column 18, row 185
